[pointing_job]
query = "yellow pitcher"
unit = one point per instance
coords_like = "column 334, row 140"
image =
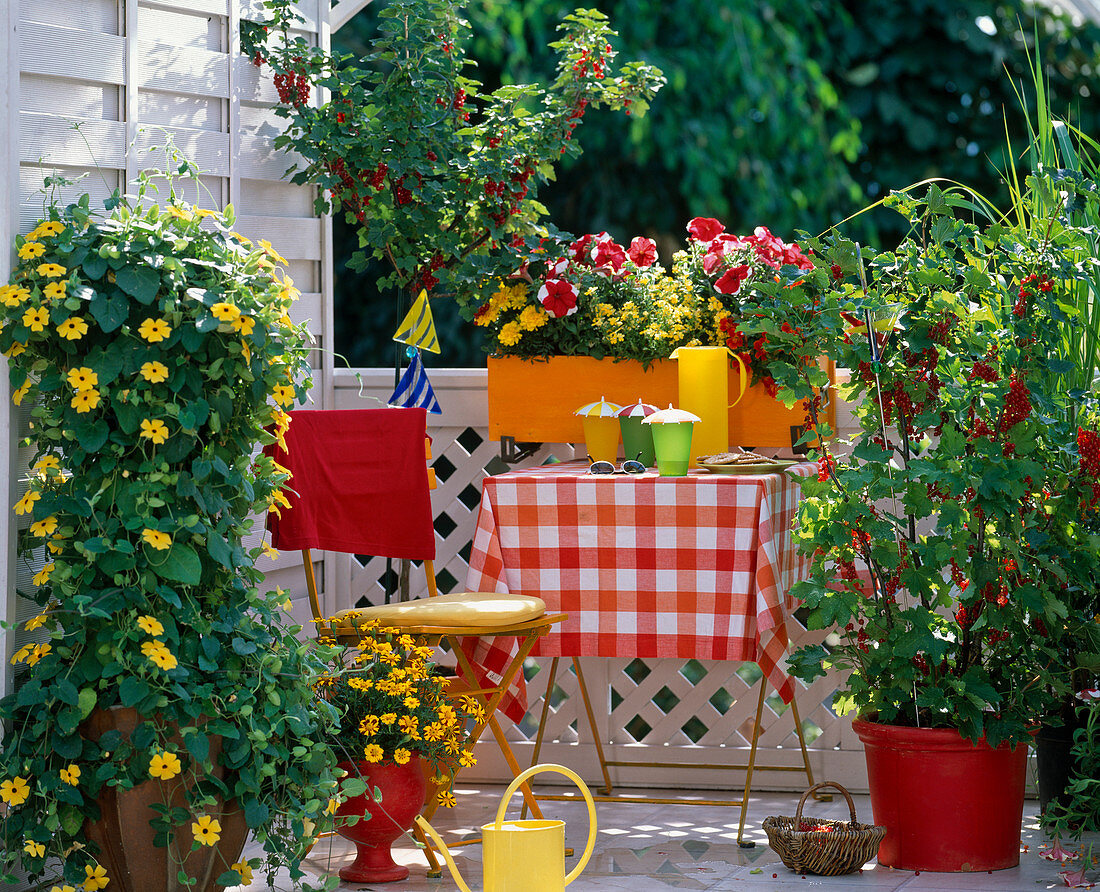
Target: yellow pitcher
column 524, row 856
column 704, row 391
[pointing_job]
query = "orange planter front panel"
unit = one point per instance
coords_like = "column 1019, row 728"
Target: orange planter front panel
column 533, row 400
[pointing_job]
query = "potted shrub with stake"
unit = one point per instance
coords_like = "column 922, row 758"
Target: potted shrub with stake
column 946, row 546
column 166, row 710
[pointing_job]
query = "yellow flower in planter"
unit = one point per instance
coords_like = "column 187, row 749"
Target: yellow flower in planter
column 26, row 504
column 244, row 871
column 34, row 849
column 369, row 725
column 532, row 317
column 154, row 372
column 36, row 318
column 55, row 290
column 157, row 653
column 15, row 791
column 225, row 312
column 244, row 325
column 447, row 799
column 95, row 878
column 401, row 755
column 71, row 775
column 73, row 328
column 207, row 830
column 372, row 752
column 85, row 401
column 154, row 330
column 150, row 624
column 47, row 227
column 510, row 334
column 82, row 378
column 283, row 394
column 44, row 527
column 51, row 270
column 159, row 541
column 408, row 724
column 155, row 430
column 41, row 578
column 30, row 250
column 164, row 766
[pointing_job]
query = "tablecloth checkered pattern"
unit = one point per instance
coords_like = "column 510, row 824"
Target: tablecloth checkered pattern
column 644, row 566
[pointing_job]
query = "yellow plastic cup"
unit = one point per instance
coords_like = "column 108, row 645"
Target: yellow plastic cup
column 601, row 437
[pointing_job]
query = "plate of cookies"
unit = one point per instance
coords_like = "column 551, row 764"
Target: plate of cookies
column 743, row 462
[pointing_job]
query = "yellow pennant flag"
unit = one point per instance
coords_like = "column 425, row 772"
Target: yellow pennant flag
column 417, row 328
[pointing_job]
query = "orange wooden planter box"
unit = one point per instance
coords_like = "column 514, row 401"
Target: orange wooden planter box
column 533, row 400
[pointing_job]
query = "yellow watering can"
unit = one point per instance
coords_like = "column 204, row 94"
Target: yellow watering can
column 704, row 391
column 524, row 856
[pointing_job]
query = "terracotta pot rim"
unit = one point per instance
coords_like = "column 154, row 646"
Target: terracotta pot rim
column 907, row 737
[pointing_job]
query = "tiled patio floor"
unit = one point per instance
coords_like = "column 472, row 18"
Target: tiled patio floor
column 653, row 848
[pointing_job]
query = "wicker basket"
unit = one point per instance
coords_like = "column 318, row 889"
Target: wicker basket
column 844, row 848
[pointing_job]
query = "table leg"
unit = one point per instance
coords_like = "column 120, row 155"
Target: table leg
column 752, row 765
column 606, row 789
column 553, row 674
column 818, row 796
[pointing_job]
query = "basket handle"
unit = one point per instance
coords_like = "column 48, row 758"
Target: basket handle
column 814, row 789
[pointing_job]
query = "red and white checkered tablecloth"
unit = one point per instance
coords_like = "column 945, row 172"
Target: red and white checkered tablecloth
column 644, row 566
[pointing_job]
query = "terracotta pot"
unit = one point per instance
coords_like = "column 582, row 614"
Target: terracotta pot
column 126, row 839
column 403, row 788
column 947, row 804
column 533, row 400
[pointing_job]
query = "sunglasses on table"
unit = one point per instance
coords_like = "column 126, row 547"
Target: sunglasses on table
column 630, row 466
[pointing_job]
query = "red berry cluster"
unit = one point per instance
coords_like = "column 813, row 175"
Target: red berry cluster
column 836, row 272
column 938, row 332
column 958, row 577
column 377, row 178
column 1029, row 287
column 425, row 278
column 985, row 372
column 293, row 87
column 964, row 617
column 587, row 61
column 1088, row 447
column 1017, row 403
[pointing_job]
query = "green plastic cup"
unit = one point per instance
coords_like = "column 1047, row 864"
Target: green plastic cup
column 637, row 440
column 672, row 444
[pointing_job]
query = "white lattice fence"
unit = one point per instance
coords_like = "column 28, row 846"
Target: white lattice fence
column 660, row 710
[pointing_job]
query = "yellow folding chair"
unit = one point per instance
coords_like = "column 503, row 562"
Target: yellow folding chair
column 361, row 485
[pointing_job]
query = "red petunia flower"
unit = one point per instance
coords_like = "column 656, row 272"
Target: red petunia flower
column 731, row 280
column 558, row 297
column 642, row 252
column 705, row 229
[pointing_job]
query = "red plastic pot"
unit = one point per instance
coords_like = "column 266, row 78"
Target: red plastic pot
column 947, row 804
column 402, row 788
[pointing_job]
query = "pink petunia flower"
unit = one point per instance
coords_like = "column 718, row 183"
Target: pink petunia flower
column 705, row 229
column 1057, row 853
column 559, row 297
column 642, row 252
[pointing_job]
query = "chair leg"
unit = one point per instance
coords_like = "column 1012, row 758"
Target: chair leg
column 606, row 789
column 752, row 765
column 553, row 674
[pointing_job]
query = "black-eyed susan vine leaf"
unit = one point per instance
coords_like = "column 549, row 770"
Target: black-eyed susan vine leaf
column 140, row 282
column 180, row 564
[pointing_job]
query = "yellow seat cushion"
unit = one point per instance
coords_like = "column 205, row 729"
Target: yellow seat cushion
column 455, row 609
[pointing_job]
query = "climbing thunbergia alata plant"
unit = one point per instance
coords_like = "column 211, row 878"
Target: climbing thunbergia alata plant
column 155, row 348
column 952, row 546
column 439, row 177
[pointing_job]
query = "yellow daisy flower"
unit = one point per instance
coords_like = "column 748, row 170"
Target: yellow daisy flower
column 85, row 401
column 95, row 878
column 225, row 312
column 55, row 290
column 151, row 626
column 155, row 430
column 83, row 378
column 36, row 319
column 165, row 766
column 154, row 330
column 34, row 849
column 73, row 328
column 30, row 250
column 15, row 791
column 160, row 541
column 401, row 755
column 71, row 775
column 26, row 504
column 372, row 752
column 41, row 578
column 44, row 527
column 447, row 799
column 206, row 830
column 51, row 270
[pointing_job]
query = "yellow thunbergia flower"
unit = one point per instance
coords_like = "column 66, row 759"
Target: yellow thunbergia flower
column 180, row 213
column 225, row 312
column 38, row 651
column 26, row 504
column 287, row 291
column 15, row 791
column 151, row 625
column 65, row 888
column 85, row 401
column 44, row 527
column 447, row 799
column 30, row 250
column 71, row 775
column 154, row 330
column 206, row 830
column 14, row 295
column 55, row 290
column 401, row 755
column 272, row 553
column 34, row 849
column 272, row 253
column 372, row 752
column 244, row 871
column 17, row 395
column 41, row 578
column 48, row 462
column 14, row 350
column 36, row 319
column 244, row 325
column 154, row 372
column 156, row 652
column 73, row 328
column 95, row 878
column 40, row 620
column 47, row 227
column 160, row 541
column 51, row 270
column 165, row 766
column 83, row 378
column 155, row 430
column 283, row 394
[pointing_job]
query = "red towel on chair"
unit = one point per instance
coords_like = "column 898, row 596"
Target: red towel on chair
column 360, row 483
